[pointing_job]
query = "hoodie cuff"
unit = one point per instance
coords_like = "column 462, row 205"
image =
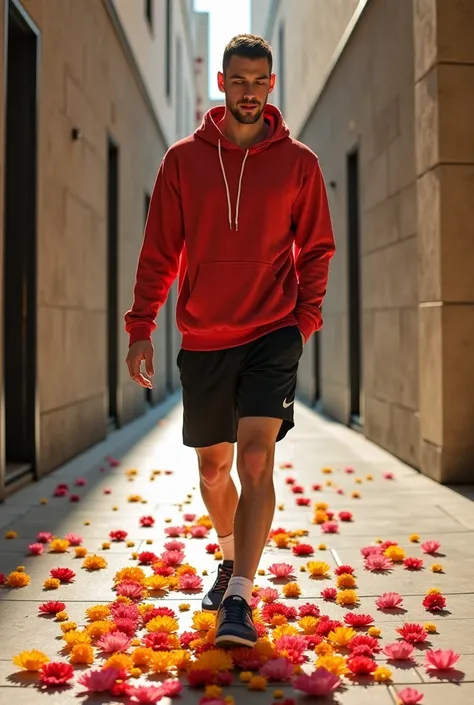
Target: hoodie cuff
column 139, row 332
column 307, row 324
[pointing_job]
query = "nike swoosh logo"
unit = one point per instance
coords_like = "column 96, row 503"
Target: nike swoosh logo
column 286, row 404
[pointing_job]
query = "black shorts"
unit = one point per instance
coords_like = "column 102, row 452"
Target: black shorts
column 222, row 386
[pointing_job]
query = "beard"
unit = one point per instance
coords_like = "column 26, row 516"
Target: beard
column 243, row 116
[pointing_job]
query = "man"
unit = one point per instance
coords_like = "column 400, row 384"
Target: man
column 239, row 210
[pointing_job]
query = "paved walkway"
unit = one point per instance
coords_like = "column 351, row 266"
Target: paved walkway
column 387, row 509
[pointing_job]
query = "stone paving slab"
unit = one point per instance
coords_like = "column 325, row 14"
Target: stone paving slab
column 386, row 509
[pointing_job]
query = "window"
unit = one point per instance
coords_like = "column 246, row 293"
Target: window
column 281, row 66
column 149, row 12
column 168, row 47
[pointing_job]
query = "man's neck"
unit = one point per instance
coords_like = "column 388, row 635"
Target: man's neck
column 243, row 135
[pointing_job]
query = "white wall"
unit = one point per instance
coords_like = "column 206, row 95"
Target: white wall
column 149, row 47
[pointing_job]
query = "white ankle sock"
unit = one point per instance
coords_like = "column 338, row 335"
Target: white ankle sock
column 227, row 546
column 240, row 586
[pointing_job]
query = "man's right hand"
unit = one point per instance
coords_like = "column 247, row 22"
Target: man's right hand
column 141, row 350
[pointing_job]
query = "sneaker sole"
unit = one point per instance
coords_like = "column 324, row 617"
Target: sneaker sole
column 227, row 641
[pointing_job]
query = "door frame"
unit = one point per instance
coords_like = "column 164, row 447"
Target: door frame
column 21, row 16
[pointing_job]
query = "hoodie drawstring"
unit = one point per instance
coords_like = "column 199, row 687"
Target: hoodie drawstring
column 229, row 205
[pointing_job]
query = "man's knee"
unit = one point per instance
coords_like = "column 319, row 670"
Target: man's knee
column 213, row 473
column 255, row 462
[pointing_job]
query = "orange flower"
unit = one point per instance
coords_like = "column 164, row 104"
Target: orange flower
column 68, row 627
column 97, row 612
column 73, row 637
column 281, row 540
column 59, row 545
column 161, row 661
column 203, row 621
column 17, row 579
column 347, row 597
column 333, row 664
column 213, row 660
column 308, row 624
column 80, row 551
column 320, row 517
column 119, row 661
column 291, row 590
column 257, row 683
column 382, row 674
column 82, row 654
column 141, row 656
column 30, row 660
column 341, row 636
column 130, row 573
column 51, row 583
column 163, row 624
column 395, row 553
column 94, row 562
column 318, row 569
column 11, row 535
column 346, row 580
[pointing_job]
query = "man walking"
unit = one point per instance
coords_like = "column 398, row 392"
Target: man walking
column 239, row 212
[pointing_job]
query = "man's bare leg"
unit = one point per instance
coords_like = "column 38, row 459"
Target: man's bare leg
column 217, row 487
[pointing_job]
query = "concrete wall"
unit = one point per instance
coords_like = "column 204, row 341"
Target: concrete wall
column 368, row 103
column 86, row 81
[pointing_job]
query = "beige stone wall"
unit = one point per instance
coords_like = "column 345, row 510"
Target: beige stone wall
column 369, row 101
column 85, row 82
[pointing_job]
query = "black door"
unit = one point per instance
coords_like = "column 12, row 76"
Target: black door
column 112, row 284
column 354, row 288
column 20, row 410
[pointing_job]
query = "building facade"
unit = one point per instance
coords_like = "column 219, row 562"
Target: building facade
column 383, row 92
column 86, row 118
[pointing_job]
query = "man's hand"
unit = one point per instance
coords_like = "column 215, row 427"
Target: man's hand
column 141, row 350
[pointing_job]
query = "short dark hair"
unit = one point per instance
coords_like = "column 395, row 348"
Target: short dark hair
column 249, row 46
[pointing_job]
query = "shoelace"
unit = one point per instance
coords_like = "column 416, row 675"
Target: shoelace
column 222, row 580
column 234, row 611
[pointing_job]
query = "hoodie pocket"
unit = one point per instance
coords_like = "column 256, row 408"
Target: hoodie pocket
column 235, row 296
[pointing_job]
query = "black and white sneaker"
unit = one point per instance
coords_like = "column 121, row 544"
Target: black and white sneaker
column 234, row 624
column 213, row 599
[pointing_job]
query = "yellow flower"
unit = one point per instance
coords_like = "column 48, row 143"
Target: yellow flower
column 326, row 471
column 105, row 545
column 205, row 520
column 98, row 628
column 218, row 555
column 134, row 498
column 346, row 580
column 374, row 631
column 358, row 480
column 125, row 600
column 261, row 571
column 265, row 648
column 342, row 635
column 130, row 573
column 257, row 683
column 246, row 676
column 68, row 627
column 347, row 597
column 131, row 472
column 319, row 517
column 115, row 508
column 20, row 568
column 59, row 545
column 318, row 569
column 308, row 624
column 302, row 569
column 97, row 612
column 203, row 621
column 278, row 694
column 173, row 582
column 382, row 674
column 17, row 579
column 141, row 656
column 414, row 538
column 156, row 582
column 184, row 607
column 204, row 572
column 80, row 551
column 284, row 630
column 229, row 700
column 73, row 637
column 378, row 540
column 369, row 477
column 62, row 616
column 334, row 664
column 395, row 553
column 278, row 619
column 356, row 495
column 87, row 522
column 329, row 483
column 186, row 569
column 322, row 547
column 161, row 661
column 182, row 659
column 94, row 562
column 11, row 535
column 437, row 568
column 163, row 624
column 82, row 653
column 130, row 544
column 281, row 507
column 214, row 660
column 433, row 591
column 431, row 628
column 324, row 649
column 212, row 691
column 30, row 660
column 51, row 583
column 291, row 590
column 135, row 672
column 43, row 500
column 119, row 661
column 281, row 540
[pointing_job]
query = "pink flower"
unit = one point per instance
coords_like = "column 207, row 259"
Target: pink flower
column 56, row 673
column 329, row 594
column 74, row 539
column 112, row 642
column 75, row 498
column 171, row 688
column 99, row 680
column 389, row 600
column 354, row 619
column 147, row 521
column 80, row 481
column 309, row 610
column 268, row 595
column 317, row 488
column 330, row 527
column 174, row 531
column 36, row 549
column 398, row 650
column 371, row 550
column 112, row 461
column 44, row 536
column 410, row 696
column 189, row 517
column 199, row 532
column 107, row 490
column 130, row 588
column 190, row 581
column 172, row 558
column 277, row 669
column 440, row 659
column 145, row 694
column 388, row 476
column 281, row 570
column 174, row 545
column 349, row 470
column 430, row 546
column 345, row 516
column 60, row 492
column 294, row 647
column 411, row 563
column 340, row 490
column 147, row 557
column 319, row 683
column 123, row 611
column 377, row 561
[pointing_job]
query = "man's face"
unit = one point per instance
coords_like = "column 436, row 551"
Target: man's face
column 246, row 84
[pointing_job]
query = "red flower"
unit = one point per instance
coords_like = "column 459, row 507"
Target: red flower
column 159, row 641
column 125, row 625
column 75, row 498
column 158, row 612
column 186, row 638
column 224, row 678
column 309, row 610
column 411, row 563
column 164, row 570
column 169, row 472
column 189, row 517
column 290, row 480
column 147, row 521
column 344, row 569
column 432, row 603
column 368, row 642
column 297, row 489
column 345, row 516
column 361, row 665
column 303, row 549
column 118, row 535
column 353, row 619
column 326, row 625
column 60, row 492
column 413, row 633
column 147, row 557
column 329, row 594
column 317, row 488
column 312, row 640
column 56, row 673
column 286, row 466
column 387, row 544
column 211, row 548
column 303, row 502
column 65, row 575
column 198, row 678
column 52, row 607
column 2, row 578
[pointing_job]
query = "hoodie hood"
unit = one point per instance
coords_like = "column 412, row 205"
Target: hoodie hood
column 210, row 132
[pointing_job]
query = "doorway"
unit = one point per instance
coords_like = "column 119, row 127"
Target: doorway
column 112, row 283
column 353, row 231
column 20, row 404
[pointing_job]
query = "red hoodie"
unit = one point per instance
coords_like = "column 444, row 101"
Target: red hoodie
column 247, row 230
